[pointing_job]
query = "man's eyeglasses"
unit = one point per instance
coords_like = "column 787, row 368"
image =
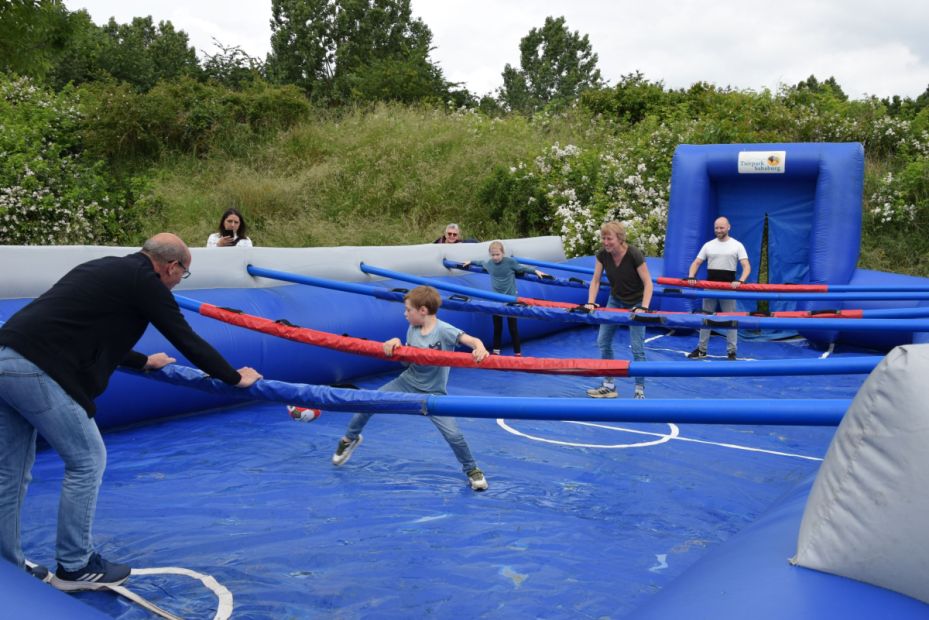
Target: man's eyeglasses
column 186, row 271
column 451, row 234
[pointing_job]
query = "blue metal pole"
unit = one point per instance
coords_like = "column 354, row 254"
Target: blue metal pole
column 439, row 284
column 800, row 412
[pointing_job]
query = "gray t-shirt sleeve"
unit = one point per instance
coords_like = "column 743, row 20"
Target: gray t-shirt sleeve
column 448, row 335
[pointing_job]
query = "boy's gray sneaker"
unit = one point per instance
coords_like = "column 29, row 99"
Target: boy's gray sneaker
column 696, row 354
column 98, row 574
column 639, row 393
column 477, row 480
column 344, row 450
column 602, row 392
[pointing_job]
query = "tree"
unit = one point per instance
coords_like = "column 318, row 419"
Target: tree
column 32, row 35
column 302, row 47
column 232, row 66
column 142, row 54
column 631, row 100
column 79, row 61
column 922, row 101
column 344, row 50
column 139, row 53
column 407, row 80
column 827, row 87
column 556, row 65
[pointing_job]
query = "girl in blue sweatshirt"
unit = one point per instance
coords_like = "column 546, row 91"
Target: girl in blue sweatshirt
column 503, row 270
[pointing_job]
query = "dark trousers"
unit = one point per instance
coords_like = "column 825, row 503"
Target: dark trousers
column 498, row 332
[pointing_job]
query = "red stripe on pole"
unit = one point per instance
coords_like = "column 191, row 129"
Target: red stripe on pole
column 413, row 355
column 784, row 314
column 766, row 288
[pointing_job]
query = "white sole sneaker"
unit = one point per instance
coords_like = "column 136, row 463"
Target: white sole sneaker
column 479, row 482
column 82, row 586
column 340, row 459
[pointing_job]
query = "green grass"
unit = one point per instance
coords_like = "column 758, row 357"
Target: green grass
column 383, row 176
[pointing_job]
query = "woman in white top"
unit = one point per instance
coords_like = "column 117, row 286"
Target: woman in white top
column 232, row 231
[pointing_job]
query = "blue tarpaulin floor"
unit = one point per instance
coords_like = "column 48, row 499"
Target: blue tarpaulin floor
column 581, row 520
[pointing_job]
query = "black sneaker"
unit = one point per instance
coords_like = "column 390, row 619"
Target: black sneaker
column 731, row 357
column 344, row 450
column 696, row 354
column 38, row 571
column 96, row 575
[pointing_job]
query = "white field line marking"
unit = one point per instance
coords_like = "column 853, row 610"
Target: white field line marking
column 709, row 443
column 662, row 438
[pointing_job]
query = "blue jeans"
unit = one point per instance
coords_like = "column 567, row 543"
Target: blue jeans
column 636, row 339
column 30, row 402
column 732, row 335
column 448, row 426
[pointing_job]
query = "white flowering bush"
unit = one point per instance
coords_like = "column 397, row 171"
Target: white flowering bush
column 572, row 191
column 883, row 136
column 901, row 198
column 888, row 204
column 48, row 193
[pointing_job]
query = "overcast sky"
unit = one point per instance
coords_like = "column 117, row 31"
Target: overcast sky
column 871, row 47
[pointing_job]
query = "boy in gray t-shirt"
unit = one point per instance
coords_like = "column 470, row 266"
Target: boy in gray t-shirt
column 426, row 331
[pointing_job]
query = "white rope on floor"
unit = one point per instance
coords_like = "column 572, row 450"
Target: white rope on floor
column 138, row 600
column 224, row 604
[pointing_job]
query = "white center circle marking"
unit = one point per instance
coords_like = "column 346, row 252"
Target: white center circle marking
column 674, row 431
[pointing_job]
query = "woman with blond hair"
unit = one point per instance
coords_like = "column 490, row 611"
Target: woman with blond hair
column 630, row 287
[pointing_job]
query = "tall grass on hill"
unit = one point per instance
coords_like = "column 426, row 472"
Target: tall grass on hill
column 385, row 175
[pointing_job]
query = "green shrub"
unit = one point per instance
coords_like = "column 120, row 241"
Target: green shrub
column 50, row 192
column 184, row 116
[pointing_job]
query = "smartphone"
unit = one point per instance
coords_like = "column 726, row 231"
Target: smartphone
column 228, row 233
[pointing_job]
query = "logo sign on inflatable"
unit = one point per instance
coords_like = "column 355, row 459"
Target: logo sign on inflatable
column 762, row 162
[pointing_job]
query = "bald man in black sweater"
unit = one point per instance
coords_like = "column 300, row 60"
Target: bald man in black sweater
column 56, row 357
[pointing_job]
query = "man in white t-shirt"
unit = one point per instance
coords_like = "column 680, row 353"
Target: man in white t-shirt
column 722, row 255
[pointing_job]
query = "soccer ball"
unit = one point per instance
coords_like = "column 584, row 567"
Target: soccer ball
column 303, row 414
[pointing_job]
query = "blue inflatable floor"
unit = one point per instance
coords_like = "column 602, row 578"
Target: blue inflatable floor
column 580, row 521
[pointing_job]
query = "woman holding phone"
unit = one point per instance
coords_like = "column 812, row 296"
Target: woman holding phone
column 232, row 231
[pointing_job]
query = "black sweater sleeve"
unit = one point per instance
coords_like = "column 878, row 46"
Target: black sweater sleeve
column 134, row 359
column 161, row 309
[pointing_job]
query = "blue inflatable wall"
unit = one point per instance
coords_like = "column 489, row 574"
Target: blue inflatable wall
column 811, row 203
column 131, row 399
column 809, row 195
